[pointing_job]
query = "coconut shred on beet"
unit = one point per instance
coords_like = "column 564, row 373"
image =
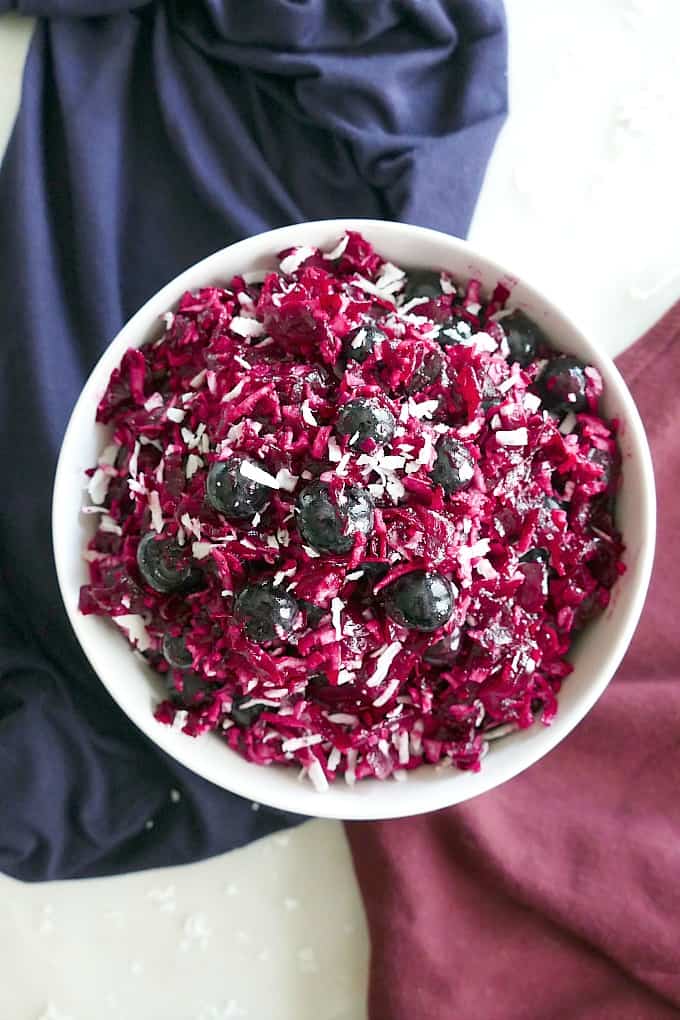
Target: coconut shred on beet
column 354, row 515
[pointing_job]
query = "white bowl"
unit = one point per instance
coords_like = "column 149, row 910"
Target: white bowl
column 136, row 687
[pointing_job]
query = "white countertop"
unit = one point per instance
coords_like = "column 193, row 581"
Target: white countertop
column 581, row 199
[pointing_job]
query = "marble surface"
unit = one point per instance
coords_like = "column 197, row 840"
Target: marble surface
column 581, row 199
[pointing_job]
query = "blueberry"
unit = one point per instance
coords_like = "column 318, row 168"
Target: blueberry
column 192, row 689
column 445, row 651
column 538, row 555
column 231, row 493
column 313, row 614
column 490, row 394
column 454, row 467
column 562, row 385
column 267, row 612
column 165, row 565
column 176, row 652
column 317, row 681
column 422, row 600
column 454, row 331
column 603, row 565
column 525, row 338
column 307, row 379
column 374, row 570
column 534, row 589
column 422, row 283
column 545, row 511
column 330, row 524
column 372, row 573
column 607, row 463
column 366, row 418
column 245, row 716
column 359, row 344
column 586, row 611
column 428, row 372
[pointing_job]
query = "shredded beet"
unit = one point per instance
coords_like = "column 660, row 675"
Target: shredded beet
column 496, row 475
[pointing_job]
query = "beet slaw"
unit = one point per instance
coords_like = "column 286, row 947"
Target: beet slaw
column 261, row 371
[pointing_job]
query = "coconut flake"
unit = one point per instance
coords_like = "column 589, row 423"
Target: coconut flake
column 414, row 303
column 485, row 569
column 286, row 480
column 109, row 455
column 307, row 414
column 471, row 552
column 484, row 342
column 568, row 424
column 384, row 661
column 192, row 525
column 341, row 469
column 297, row 743
column 156, row 512
column 257, row 474
column 98, row 486
column 343, row 719
column 246, row 326
column 370, row 288
column 391, row 463
column 180, row 720
column 152, row 402
column 334, row 451
column 391, row 688
column 176, row 414
column 339, row 249
column 198, row 379
column 234, row 392
column 108, row 524
column 134, row 460
column 337, row 606
column 136, row 631
column 317, row 776
column 350, row 771
column 201, row 550
column 512, row 437
column 333, row 759
column 424, row 409
column 389, row 279
column 194, row 462
column 291, row 263
column 532, row 402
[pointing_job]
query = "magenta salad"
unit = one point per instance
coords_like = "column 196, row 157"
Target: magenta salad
column 353, row 514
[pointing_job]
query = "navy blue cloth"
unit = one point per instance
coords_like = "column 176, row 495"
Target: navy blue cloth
column 148, row 137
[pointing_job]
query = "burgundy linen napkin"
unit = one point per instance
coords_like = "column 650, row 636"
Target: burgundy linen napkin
column 558, row 894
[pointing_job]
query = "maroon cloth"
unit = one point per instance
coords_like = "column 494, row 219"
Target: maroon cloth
column 556, row 895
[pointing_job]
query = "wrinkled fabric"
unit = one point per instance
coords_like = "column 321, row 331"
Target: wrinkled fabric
column 556, row 895
column 148, row 137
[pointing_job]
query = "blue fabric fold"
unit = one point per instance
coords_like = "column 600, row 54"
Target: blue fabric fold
column 148, row 137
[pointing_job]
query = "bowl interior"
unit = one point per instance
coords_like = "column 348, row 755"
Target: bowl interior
column 136, row 687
